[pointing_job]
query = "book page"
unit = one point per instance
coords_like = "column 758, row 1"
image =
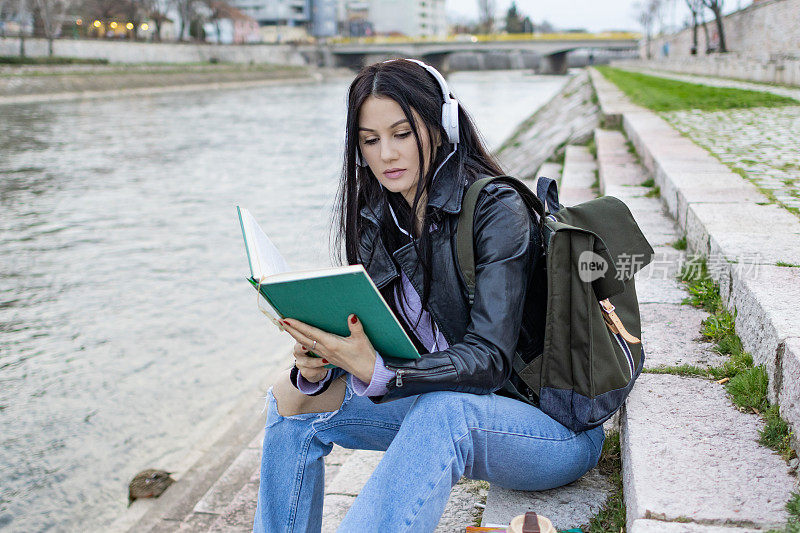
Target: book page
column 265, row 260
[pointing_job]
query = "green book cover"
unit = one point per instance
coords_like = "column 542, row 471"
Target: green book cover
column 322, row 298
column 326, row 298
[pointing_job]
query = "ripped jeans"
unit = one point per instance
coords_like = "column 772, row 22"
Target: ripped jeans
column 430, row 440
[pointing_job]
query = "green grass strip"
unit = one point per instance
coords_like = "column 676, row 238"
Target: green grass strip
column 662, row 94
column 748, row 384
column 612, row 516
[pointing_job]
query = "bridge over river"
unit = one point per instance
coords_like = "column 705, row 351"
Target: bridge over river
column 551, row 47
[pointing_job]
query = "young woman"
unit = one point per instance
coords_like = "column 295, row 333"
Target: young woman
column 411, row 152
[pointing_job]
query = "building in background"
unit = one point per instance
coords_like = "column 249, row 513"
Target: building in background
column 323, row 18
column 413, row 18
column 230, row 26
column 291, row 20
column 354, row 18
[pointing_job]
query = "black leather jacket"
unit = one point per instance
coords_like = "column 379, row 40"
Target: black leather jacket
column 482, row 338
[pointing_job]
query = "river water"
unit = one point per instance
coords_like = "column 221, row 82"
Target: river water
column 127, row 330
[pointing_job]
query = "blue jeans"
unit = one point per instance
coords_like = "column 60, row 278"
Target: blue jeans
column 430, row 441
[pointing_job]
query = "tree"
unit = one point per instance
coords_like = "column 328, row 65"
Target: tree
column 51, row 13
column 716, row 7
column 646, row 15
column 695, row 6
column 486, row 11
column 22, row 14
column 514, row 21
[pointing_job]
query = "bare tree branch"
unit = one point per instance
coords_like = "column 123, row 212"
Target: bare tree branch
column 486, row 11
column 52, row 14
column 716, row 7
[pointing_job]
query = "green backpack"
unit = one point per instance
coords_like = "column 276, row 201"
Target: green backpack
column 583, row 291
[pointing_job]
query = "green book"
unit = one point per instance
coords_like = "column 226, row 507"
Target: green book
column 322, row 298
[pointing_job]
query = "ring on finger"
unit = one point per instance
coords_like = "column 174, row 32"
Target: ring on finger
column 314, row 346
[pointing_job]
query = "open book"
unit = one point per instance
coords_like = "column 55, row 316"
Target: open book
column 322, row 298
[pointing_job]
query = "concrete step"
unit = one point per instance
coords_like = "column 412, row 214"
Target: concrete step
column 580, row 173
column 689, row 455
column 725, row 219
column 691, row 460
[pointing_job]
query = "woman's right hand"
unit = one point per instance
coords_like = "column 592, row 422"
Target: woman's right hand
column 311, row 368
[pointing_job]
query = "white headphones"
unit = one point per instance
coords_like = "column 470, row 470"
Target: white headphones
column 449, row 108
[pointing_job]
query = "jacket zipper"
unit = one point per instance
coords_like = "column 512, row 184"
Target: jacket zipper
column 400, row 372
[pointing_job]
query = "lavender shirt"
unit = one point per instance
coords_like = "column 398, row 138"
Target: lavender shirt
column 410, row 307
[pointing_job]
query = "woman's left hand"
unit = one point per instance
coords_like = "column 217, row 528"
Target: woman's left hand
column 354, row 354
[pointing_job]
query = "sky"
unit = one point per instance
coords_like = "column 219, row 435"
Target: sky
column 594, row 15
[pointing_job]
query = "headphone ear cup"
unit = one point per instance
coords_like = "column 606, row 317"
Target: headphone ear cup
column 450, row 119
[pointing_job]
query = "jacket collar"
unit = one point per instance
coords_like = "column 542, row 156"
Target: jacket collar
column 446, row 194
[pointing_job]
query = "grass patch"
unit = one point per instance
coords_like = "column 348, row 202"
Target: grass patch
column 17, row 60
column 596, row 183
column 748, row 384
column 785, row 264
column 680, row 370
column 662, row 94
column 654, row 193
column 592, row 147
column 632, row 151
column 680, row 244
column 649, row 182
column 612, row 516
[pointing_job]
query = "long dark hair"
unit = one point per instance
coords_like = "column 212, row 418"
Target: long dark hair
column 412, row 87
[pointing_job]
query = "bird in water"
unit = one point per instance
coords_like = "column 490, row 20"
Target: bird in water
column 148, row 483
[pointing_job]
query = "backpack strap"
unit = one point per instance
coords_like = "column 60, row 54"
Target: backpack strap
column 464, row 239
column 547, row 192
column 465, row 248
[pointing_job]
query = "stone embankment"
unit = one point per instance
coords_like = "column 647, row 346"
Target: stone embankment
column 19, row 85
column 569, row 117
column 143, row 52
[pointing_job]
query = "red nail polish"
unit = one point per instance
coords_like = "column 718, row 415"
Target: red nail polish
column 354, row 319
column 303, row 348
column 325, row 361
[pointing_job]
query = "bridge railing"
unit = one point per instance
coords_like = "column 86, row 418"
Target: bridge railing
column 495, row 37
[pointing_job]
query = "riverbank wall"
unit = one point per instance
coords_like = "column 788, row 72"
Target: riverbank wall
column 139, row 52
column 21, row 85
column 763, row 40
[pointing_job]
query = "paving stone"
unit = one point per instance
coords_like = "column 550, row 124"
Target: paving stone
column 460, row 510
column 239, row 513
column 355, row 472
column 334, row 510
column 567, row 507
column 687, row 452
column 766, row 314
column 671, row 337
column 657, row 526
column 703, row 219
column 755, row 248
column 550, row 170
column 238, row 473
column 654, row 290
column 579, row 175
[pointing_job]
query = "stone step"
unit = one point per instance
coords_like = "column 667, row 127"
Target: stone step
column 744, row 239
column 356, row 470
column 580, row 173
column 689, row 454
